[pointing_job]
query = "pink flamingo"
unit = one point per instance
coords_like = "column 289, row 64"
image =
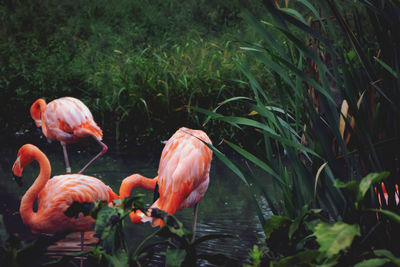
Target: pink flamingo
column 56, row 195
column 183, row 176
column 67, row 120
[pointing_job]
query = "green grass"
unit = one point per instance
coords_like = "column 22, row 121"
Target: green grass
column 137, row 65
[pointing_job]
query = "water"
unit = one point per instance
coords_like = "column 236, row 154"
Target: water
column 226, row 207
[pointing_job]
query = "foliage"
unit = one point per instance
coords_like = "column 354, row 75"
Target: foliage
column 176, row 241
column 311, row 238
column 181, row 247
column 334, row 120
column 137, row 65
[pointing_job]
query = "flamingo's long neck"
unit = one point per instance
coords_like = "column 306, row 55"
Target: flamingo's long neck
column 28, row 216
column 42, row 104
column 136, row 180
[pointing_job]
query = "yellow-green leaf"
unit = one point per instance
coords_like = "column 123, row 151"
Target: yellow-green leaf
column 333, row 238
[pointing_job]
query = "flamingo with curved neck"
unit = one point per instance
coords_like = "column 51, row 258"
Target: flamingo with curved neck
column 183, row 176
column 67, row 120
column 56, row 195
column 136, row 181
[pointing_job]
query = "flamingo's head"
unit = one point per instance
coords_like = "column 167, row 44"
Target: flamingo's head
column 37, row 109
column 24, row 157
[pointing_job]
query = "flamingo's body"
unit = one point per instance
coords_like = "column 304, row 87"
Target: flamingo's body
column 56, row 195
column 66, row 120
column 183, row 174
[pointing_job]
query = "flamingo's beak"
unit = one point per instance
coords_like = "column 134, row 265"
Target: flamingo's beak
column 17, row 170
column 38, row 123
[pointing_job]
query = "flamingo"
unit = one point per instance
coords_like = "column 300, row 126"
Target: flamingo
column 67, row 120
column 56, row 195
column 183, row 176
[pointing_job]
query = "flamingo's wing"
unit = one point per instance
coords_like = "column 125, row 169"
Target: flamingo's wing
column 68, row 118
column 59, row 194
column 61, row 191
column 183, row 172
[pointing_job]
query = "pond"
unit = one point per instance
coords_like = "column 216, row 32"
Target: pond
column 226, row 207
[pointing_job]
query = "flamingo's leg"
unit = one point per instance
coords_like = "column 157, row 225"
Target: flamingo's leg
column 194, row 221
column 82, row 240
column 67, row 166
column 103, row 151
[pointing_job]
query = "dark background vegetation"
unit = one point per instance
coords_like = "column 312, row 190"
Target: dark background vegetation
column 137, row 65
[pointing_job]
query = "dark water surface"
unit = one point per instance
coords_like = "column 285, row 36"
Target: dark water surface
column 226, row 207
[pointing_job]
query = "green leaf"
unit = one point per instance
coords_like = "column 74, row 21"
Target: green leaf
column 351, row 54
column 103, row 217
column 176, row 227
column 369, row 180
column 387, row 254
column 274, row 223
column 372, row 263
column 175, row 257
column 303, row 257
column 333, row 238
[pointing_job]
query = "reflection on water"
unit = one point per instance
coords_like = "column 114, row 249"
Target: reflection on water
column 226, row 207
column 71, row 244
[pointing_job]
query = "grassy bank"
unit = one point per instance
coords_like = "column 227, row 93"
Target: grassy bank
column 137, row 65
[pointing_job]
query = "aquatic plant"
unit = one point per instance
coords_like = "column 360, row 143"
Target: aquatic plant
column 334, row 120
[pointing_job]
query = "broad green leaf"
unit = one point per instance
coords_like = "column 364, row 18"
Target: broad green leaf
column 274, row 223
column 387, row 254
column 333, row 238
column 372, row 263
column 175, row 257
column 368, row 181
column 303, row 257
